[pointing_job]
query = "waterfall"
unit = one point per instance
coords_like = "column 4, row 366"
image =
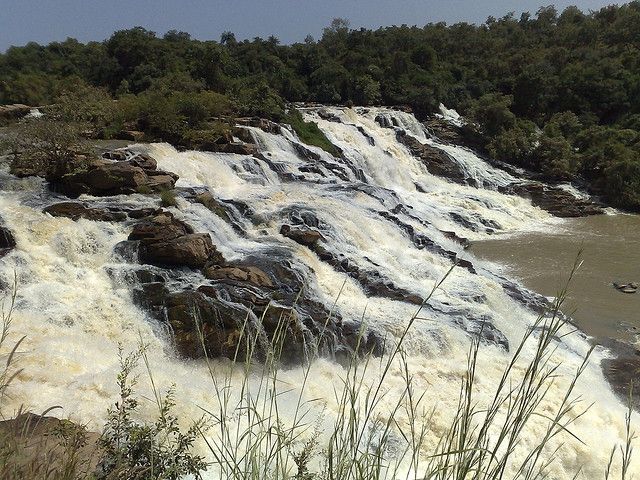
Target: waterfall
column 377, row 206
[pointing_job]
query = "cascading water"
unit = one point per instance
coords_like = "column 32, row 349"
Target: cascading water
column 377, row 207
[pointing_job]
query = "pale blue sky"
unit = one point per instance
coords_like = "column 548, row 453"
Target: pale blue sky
column 44, row 21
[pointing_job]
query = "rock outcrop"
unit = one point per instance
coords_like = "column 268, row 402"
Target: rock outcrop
column 7, row 242
column 118, row 172
column 166, row 241
column 36, row 443
column 105, row 177
column 77, row 210
column 437, row 161
column 256, row 306
column 553, row 199
column 15, row 111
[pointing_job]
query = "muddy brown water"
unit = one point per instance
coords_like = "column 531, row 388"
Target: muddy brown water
column 610, row 246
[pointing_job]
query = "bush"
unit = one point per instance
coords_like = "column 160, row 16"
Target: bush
column 141, row 451
column 45, row 146
column 90, row 106
column 515, row 145
column 168, row 198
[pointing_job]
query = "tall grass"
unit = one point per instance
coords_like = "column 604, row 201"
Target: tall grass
column 258, row 426
column 251, row 439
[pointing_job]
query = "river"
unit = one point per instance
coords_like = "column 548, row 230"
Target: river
column 542, row 261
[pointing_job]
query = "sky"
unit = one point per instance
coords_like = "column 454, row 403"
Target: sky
column 291, row 21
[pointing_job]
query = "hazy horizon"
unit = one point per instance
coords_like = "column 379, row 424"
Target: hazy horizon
column 289, row 20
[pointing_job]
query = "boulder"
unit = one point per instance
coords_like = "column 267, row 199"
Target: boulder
column 209, row 201
column 259, row 302
column 60, row 448
column 118, row 172
column 191, row 250
column 554, row 200
column 167, row 241
column 239, row 274
column 131, row 135
column 437, row 161
column 77, row 210
column 7, row 242
column 15, row 111
column 303, row 236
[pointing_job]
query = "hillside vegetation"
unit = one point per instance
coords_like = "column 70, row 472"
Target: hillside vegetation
column 558, row 93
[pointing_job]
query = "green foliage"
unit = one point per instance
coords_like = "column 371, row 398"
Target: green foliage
column 515, row 145
column 309, row 133
column 168, row 198
column 141, row 451
column 566, row 72
column 492, row 111
column 45, row 146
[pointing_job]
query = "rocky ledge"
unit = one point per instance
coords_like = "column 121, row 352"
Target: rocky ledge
column 7, row 242
column 240, row 308
column 119, row 172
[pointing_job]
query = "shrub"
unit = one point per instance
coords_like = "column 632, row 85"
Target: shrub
column 141, row 451
column 168, row 198
column 309, row 132
column 45, row 146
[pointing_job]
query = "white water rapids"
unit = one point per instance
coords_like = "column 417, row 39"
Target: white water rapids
column 75, row 307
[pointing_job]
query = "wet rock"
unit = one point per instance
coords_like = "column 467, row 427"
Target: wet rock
column 303, row 236
column 262, row 298
column 7, row 241
column 120, row 172
column 467, row 135
column 437, row 161
column 143, row 212
column 456, row 238
column 325, row 114
column 77, row 210
column 238, row 148
column 553, row 199
column 131, row 135
column 372, row 282
column 621, row 369
column 626, row 287
column 208, row 200
column 239, row 274
column 166, row 241
column 261, row 123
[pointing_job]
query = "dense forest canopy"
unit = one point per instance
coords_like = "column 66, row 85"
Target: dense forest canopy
column 555, row 92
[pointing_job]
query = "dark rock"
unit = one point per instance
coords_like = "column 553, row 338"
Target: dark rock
column 119, row 172
column 143, row 212
column 468, row 135
column 239, row 274
column 238, row 148
column 77, row 210
column 553, row 199
column 325, row 114
column 626, row 287
column 261, row 123
column 261, row 298
column 372, row 282
column 208, row 200
column 131, row 135
column 302, row 236
column 7, row 241
column 166, row 241
column 437, row 161
column 103, row 178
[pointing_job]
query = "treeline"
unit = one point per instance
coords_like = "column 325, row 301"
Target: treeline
column 555, row 92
